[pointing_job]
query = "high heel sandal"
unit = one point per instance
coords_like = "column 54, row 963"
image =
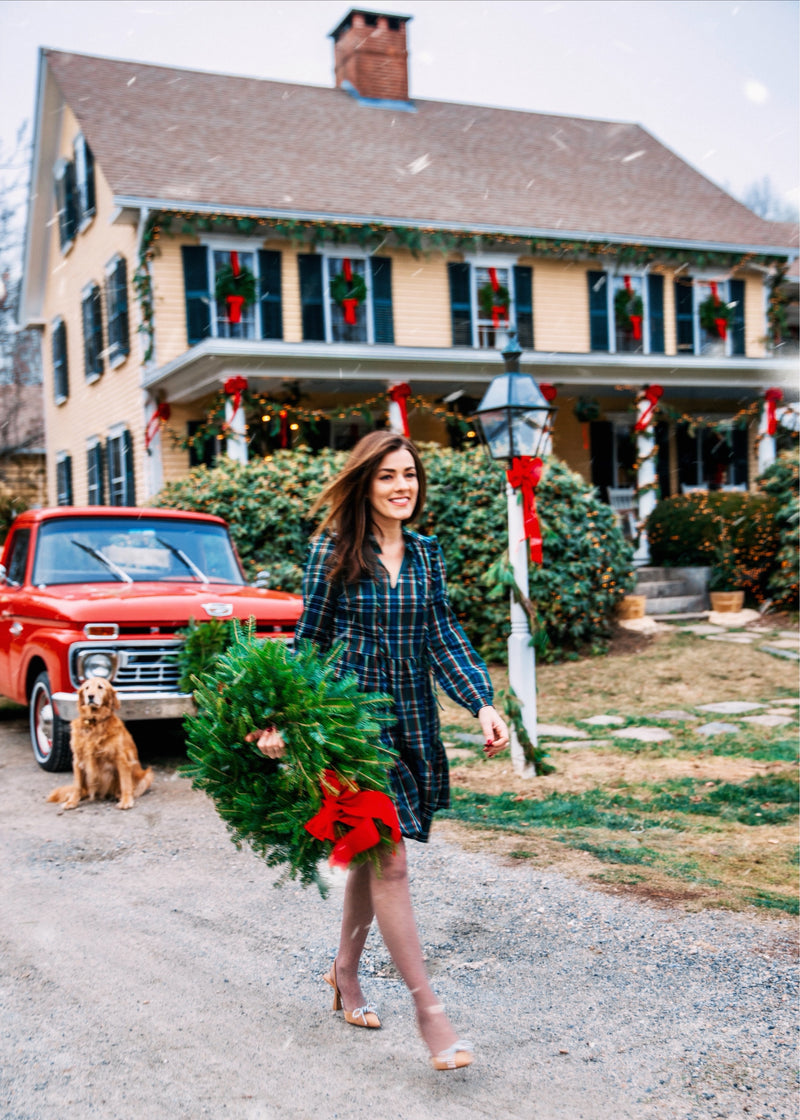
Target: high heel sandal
column 456, row 1056
column 366, row 1016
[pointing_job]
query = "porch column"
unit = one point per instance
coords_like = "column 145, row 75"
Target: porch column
column 766, row 439
column 398, row 394
column 153, row 464
column 236, row 443
column 646, row 484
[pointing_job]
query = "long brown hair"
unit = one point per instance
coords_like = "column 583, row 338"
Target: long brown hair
column 349, row 516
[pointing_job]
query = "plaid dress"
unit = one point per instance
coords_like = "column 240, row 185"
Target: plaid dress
column 394, row 638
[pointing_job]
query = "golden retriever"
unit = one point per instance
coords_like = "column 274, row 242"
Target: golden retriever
column 105, row 762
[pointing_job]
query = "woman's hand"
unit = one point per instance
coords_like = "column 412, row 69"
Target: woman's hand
column 268, row 741
column 494, row 731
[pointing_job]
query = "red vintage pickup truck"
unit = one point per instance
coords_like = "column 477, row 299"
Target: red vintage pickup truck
column 103, row 591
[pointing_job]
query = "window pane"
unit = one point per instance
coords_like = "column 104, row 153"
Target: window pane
column 628, row 314
column 494, row 308
column 226, row 312
column 343, row 330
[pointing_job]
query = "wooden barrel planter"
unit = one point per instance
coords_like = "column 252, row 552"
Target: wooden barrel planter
column 631, row 606
column 727, row 602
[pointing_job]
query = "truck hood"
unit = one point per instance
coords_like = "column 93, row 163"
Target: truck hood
column 159, row 604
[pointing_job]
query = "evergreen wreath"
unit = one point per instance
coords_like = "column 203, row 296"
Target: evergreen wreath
column 342, row 289
column 229, row 284
column 326, row 724
column 712, row 309
column 489, row 298
column 586, row 410
column 626, row 304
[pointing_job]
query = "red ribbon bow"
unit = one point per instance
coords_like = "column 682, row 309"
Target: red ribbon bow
column 235, row 305
column 345, row 805
column 234, row 387
column 652, row 394
column 162, row 412
column 525, row 473
column 399, row 394
column 773, row 397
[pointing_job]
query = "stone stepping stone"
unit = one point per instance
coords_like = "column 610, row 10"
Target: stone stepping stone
column 788, row 702
column 786, row 643
column 572, row 744
column 737, row 639
column 789, row 654
column 469, row 737
column 733, row 618
column 717, row 728
column 674, row 714
column 644, row 734
column 729, row 707
column 783, row 712
column 704, row 628
column 789, row 634
column 770, row 720
column 604, row 721
column 556, row 731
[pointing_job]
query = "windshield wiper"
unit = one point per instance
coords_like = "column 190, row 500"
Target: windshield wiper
column 101, row 556
column 193, row 568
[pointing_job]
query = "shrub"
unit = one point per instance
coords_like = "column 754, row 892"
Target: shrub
column 687, row 530
column 780, row 482
column 587, row 562
column 11, row 505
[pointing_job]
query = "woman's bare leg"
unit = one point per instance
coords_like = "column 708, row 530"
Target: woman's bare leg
column 357, row 915
column 391, row 900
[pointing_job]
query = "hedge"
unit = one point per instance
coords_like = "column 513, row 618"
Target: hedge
column 587, row 561
column 781, row 482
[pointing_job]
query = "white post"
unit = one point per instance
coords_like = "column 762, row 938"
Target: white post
column 236, row 443
column 766, row 442
column 521, row 656
column 645, row 478
column 154, row 466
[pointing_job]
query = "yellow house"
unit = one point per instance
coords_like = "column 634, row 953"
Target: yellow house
column 290, row 253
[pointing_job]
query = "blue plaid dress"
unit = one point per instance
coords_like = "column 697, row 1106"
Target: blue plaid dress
column 394, row 639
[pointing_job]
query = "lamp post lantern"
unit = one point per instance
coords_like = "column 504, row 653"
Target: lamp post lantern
column 516, row 420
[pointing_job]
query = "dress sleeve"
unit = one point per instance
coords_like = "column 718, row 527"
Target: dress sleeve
column 317, row 622
column 457, row 667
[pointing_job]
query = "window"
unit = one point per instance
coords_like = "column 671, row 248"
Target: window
column 66, row 202
column 121, row 489
column 60, row 368
column 117, row 310
column 697, row 332
column 626, row 312
column 84, row 180
column 94, row 472
column 711, row 458
column 486, row 300
column 206, row 317
column 63, row 479
column 330, row 314
column 18, row 557
column 92, row 314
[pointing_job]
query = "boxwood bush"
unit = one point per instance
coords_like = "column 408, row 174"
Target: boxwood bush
column 780, row 482
column 587, row 562
column 686, row 530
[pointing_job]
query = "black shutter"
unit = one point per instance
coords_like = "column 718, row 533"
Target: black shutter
column 662, row 460
column 460, row 303
column 66, row 203
column 655, row 301
column 270, row 302
column 60, row 367
column 64, row 481
column 382, row 316
column 523, row 298
column 94, row 471
column 88, row 183
column 97, row 328
column 310, row 265
column 198, row 297
column 117, row 304
column 601, row 442
column 127, row 455
column 736, row 297
column 598, row 310
column 684, row 316
column 92, row 311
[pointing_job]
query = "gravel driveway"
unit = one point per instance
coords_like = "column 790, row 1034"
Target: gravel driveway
column 151, row 972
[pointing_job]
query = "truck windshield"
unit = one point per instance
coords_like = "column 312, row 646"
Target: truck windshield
column 108, row 549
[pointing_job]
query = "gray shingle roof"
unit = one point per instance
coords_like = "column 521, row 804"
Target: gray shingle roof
column 245, row 143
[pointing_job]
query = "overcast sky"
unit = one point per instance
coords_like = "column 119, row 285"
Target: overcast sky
column 715, row 80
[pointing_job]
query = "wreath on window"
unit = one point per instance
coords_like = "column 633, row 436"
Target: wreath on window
column 494, row 302
column 715, row 316
column 235, row 287
column 629, row 311
column 348, row 291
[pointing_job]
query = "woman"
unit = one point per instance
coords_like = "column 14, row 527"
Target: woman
column 380, row 589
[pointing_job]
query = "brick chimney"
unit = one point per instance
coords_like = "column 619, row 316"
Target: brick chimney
column 369, row 52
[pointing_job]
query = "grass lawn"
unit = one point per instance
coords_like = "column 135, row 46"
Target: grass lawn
column 698, row 822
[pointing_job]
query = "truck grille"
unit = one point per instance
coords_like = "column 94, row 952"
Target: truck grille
column 150, row 667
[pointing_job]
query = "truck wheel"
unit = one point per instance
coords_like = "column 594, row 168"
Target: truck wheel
column 49, row 735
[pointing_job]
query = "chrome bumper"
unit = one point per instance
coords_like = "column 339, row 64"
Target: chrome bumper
column 134, row 705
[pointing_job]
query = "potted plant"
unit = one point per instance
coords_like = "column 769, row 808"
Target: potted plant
column 724, row 581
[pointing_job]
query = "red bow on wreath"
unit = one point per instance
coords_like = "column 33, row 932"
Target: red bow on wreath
column 346, row 806
column 162, row 412
column 349, row 305
column 773, row 397
column 652, row 394
column 399, row 394
column 525, row 473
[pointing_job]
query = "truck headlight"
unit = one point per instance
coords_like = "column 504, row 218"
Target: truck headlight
column 96, row 663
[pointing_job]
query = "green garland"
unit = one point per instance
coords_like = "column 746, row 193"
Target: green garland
column 326, row 723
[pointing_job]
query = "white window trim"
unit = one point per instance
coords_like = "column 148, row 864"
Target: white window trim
column 219, row 243
column 59, row 171
column 85, row 219
column 336, row 252
column 116, row 432
column 707, row 278
column 490, row 260
column 110, row 268
column 92, row 442
column 639, row 274
column 86, row 291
